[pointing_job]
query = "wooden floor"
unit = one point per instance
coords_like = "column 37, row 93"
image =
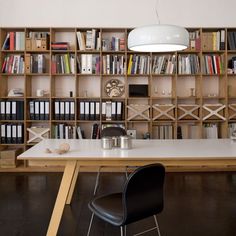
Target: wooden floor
column 196, row 204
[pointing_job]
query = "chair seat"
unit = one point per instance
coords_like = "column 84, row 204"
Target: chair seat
column 108, row 208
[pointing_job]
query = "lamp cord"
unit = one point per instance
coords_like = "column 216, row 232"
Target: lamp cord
column 157, row 14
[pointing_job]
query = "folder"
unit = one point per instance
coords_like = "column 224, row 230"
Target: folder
column 20, row 137
column 9, row 135
column 62, row 110
column 119, row 110
column 84, row 64
column 36, row 110
column 2, row 110
column 67, row 110
column 14, row 136
column 42, row 110
column 108, row 110
column 86, row 111
column 92, row 111
column 103, row 110
column 46, row 109
column 97, row 110
column 79, row 133
column 113, row 110
column 81, row 111
column 31, row 110
column 89, row 64
column 27, row 63
column 8, row 110
column 20, row 110
column 57, row 110
column 3, row 133
column 72, row 110
column 13, row 110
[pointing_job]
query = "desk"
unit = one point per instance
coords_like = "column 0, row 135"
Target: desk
column 89, row 153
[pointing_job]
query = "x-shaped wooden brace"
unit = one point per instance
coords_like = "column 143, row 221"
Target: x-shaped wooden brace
column 37, row 135
column 138, row 111
column 163, row 110
column 184, row 108
column 233, row 108
column 213, row 112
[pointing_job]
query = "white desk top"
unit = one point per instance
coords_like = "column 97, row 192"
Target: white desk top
column 86, row 149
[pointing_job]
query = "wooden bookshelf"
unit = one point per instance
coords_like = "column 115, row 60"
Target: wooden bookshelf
column 196, row 77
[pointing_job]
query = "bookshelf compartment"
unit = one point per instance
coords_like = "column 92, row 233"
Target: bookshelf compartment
column 88, row 86
column 36, row 83
column 63, row 86
column 163, row 131
column 188, row 87
column 163, row 87
column 189, row 130
column 143, row 130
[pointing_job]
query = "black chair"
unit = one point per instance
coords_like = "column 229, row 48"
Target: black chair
column 113, row 132
column 141, row 197
column 108, row 132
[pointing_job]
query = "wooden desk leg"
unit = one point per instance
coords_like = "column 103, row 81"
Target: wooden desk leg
column 72, row 187
column 61, row 198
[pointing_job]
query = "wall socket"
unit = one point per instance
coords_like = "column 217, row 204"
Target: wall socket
column 132, row 133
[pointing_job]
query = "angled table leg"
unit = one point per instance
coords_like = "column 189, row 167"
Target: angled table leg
column 61, row 198
column 72, row 186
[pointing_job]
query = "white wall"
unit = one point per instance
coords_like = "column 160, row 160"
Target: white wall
column 116, row 13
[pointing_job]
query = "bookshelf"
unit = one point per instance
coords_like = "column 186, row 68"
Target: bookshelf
column 191, row 94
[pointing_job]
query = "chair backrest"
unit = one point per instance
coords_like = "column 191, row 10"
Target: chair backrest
column 143, row 193
column 112, row 132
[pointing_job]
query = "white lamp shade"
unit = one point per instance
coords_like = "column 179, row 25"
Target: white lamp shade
column 158, row 38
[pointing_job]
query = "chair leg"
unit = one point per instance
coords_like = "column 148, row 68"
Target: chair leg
column 156, row 222
column 90, row 224
column 123, row 230
column 97, row 181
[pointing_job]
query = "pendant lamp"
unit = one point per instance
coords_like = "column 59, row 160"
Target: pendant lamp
column 158, row 38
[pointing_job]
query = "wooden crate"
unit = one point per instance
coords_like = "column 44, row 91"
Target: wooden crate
column 188, row 112
column 213, row 112
column 163, row 112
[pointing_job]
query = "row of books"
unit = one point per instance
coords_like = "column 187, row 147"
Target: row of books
column 115, row 44
column 12, row 110
column 35, row 63
column 138, row 64
column 188, row 64
column 63, row 64
column 210, row 131
column 164, row 64
column 231, row 40
column 12, row 133
column 13, row 64
column 231, row 130
column 88, row 64
column 64, row 110
column 113, row 65
column 163, row 132
column 39, row 110
column 213, row 64
column 64, row 131
column 60, row 46
column 14, row 41
column 213, row 40
column 110, row 110
column 195, row 40
column 89, row 40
